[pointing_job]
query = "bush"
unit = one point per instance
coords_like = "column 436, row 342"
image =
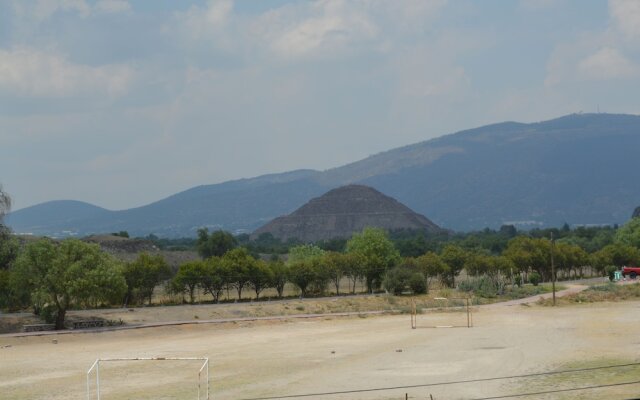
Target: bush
column 401, row 278
column 534, row 278
column 417, row 283
column 482, row 286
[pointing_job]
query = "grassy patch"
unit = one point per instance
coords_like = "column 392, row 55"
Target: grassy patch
column 585, row 374
column 600, row 293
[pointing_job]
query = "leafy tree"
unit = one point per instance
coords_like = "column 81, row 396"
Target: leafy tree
column 455, row 257
column 617, row 254
column 376, row 252
column 188, row 278
column 302, row 273
column 477, row 263
column 259, row 276
column 5, row 204
column 304, row 252
column 530, row 253
column 69, row 273
column 352, row 268
column 216, row 276
column 143, row 275
column 410, row 243
column 9, row 247
column 335, row 266
column 238, row 261
column 214, row 244
column 629, row 233
column 431, row 266
column 279, row 275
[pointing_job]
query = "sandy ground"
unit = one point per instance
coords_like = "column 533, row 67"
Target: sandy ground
column 259, row 359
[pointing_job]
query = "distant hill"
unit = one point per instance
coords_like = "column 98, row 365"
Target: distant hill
column 344, row 211
column 578, row 169
column 636, row 213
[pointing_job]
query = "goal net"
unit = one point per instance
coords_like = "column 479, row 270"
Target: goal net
column 166, row 378
column 441, row 312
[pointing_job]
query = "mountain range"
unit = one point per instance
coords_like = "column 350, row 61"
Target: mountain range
column 579, row 169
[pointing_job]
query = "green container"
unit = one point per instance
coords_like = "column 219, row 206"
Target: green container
column 617, row 275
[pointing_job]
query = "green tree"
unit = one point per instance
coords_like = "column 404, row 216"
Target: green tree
column 69, row 273
column 376, row 252
column 188, row 278
column 9, row 247
column 629, row 233
column 478, row 263
column 259, row 276
column 335, row 266
column 238, row 261
column 215, row 244
column 279, row 274
column 352, row 269
column 530, row 253
column 455, row 257
column 617, row 254
column 302, row 273
column 143, row 275
column 431, row 266
column 304, row 252
column 5, row 204
column 215, row 277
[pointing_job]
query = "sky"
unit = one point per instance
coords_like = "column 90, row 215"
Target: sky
column 121, row 103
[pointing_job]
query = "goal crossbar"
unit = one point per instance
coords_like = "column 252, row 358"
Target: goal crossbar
column 204, row 368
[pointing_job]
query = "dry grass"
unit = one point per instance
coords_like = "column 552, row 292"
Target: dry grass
column 599, row 293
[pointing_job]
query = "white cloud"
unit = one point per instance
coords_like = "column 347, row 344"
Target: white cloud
column 29, row 72
column 333, row 27
column 607, row 63
column 607, row 54
column 42, row 10
column 113, row 6
column 626, row 15
column 209, row 22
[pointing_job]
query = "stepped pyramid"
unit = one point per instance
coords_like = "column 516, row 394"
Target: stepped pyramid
column 341, row 212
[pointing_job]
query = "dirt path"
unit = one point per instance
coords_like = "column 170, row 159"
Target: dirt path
column 571, row 289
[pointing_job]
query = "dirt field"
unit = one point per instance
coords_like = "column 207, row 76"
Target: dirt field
column 260, row 359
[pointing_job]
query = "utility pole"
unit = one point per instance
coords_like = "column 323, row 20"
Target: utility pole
column 553, row 272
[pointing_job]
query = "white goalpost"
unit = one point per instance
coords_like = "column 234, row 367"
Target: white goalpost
column 94, row 391
column 441, row 311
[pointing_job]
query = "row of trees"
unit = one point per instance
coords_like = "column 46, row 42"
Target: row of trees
column 54, row 276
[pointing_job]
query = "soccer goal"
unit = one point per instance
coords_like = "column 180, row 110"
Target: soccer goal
column 442, row 312
column 149, row 378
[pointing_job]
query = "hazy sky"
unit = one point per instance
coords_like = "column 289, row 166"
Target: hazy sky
column 121, row 103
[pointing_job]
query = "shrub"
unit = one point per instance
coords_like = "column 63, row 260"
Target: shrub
column 417, row 283
column 401, row 278
column 482, row 286
column 534, row 278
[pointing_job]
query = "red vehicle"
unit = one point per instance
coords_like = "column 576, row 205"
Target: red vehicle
column 633, row 272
